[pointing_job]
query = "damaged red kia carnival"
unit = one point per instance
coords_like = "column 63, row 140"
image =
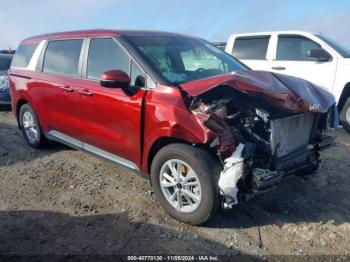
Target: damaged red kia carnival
column 206, row 128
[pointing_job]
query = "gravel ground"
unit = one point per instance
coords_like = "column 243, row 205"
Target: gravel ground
column 62, row 201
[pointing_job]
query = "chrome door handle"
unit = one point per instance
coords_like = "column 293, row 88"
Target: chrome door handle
column 278, row 67
column 85, row 92
column 66, row 88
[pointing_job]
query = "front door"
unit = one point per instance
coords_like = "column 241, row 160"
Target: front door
column 110, row 119
column 291, row 59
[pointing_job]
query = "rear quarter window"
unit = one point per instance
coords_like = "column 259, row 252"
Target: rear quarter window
column 251, row 47
column 23, row 55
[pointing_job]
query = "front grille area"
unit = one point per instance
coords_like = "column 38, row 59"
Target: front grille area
column 291, row 133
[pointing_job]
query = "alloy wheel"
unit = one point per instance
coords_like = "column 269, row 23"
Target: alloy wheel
column 30, row 127
column 180, row 185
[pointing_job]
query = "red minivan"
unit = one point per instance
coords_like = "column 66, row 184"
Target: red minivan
column 207, row 129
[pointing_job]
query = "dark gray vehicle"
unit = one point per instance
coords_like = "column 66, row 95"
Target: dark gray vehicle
column 5, row 63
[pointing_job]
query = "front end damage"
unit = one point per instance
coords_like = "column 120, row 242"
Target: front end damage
column 266, row 127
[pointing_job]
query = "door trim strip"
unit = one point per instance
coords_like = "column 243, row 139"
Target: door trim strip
column 109, row 156
column 77, row 144
column 64, row 139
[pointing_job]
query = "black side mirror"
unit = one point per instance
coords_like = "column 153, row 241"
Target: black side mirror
column 319, row 54
column 115, row 79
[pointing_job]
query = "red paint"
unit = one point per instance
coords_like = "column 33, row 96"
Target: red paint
column 166, row 115
column 284, row 92
column 115, row 78
column 72, row 34
column 110, row 119
column 115, row 75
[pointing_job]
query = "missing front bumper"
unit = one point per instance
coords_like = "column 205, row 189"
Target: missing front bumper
column 300, row 163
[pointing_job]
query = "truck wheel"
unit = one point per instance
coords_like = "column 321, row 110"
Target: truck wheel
column 30, row 127
column 345, row 116
column 184, row 180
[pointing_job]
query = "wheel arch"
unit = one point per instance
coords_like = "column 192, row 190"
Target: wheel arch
column 344, row 95
column 158, row 144
column 19, row 104
column 164, row 141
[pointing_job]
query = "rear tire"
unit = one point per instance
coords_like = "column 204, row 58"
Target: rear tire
column 345, row 115
column 197, row 183
column 30, row 127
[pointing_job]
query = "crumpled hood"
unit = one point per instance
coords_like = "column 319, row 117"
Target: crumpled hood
column 287, row 93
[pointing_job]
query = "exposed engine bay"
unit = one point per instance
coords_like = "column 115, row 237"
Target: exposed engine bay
column 258, row 144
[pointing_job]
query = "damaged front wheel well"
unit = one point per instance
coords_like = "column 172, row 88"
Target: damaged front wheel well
column 20, row 103
column 164, row 141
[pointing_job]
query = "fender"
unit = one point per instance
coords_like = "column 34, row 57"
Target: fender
column 166, row 116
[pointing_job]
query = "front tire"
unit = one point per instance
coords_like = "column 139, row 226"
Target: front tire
column 30, row 127
column 184, row 180
column 345, row 115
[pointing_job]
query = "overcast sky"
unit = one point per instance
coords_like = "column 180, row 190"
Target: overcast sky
column 213, row 20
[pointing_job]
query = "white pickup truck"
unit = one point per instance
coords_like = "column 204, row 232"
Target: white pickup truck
column 313, row 57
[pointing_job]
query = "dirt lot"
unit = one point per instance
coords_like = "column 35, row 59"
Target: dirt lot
column 62, row 201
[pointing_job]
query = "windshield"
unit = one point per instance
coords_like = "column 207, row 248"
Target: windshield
column 5, row 63
column 342, row 50
column 183, row 59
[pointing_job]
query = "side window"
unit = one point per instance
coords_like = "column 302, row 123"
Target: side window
column 295, row 48
column 23, row 55
column 251, row 47
column 137, row 76
column 62, row 57
column 104, row 55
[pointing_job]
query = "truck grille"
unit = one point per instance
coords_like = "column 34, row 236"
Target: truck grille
column 291, row 133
